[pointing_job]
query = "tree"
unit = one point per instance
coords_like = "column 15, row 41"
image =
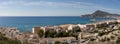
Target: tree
column 49, row 33
column 57, row 42
column 5, row 40
column 25, row 42
column 65, row 43
column 118, row 41
column 53, row 34
column 76, row 29
column 101, row 33
column 40, row 33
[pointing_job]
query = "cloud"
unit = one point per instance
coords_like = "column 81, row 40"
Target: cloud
column 24, row 3
column 45, row 3
column 78, row 5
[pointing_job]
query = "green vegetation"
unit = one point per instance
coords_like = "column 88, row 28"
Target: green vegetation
column 101, row 33
column 118, row 41
column 50, row 34
column 119, row 28
column 40, row 33
column 92, row 39
column 57, row 42
column 4, row 40
column 65, row 43
column 25, row 42
column 112, row 37
column 76, row 29
column 62, row 34
column 105, row 39
column 104, row 25
column 53, row 34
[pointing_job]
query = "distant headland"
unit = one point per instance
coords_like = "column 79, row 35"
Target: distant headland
column 101, row 14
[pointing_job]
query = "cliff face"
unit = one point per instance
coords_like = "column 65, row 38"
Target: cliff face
column 99, row 13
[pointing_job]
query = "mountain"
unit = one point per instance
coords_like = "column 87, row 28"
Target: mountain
column 100, row 13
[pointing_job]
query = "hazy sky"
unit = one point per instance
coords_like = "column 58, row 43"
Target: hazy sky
column 56, row 7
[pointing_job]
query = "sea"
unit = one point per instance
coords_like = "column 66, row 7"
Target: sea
column 25, row 23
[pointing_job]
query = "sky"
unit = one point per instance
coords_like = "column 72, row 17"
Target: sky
column 56, row 7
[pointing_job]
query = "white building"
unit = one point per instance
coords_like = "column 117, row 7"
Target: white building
column 82, row 26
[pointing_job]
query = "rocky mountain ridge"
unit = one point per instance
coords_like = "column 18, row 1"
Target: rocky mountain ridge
column 100, row 13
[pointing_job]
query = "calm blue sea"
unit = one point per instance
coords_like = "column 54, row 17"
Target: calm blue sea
column 27, row 23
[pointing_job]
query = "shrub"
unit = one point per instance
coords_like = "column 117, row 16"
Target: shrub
column 40, row 33
column 57, row 42
column 101, row 33
column 118, row 41
column 76, row 29
column 4, row 40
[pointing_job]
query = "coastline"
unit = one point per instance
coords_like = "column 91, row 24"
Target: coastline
column 27, row 23
column 15, row 33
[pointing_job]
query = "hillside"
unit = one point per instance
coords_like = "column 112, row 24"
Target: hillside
column 100, row 13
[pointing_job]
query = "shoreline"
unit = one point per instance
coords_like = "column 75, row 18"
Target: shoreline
column 23, row 25
column 57, row 25
column 13, row 32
